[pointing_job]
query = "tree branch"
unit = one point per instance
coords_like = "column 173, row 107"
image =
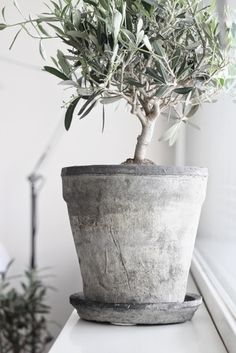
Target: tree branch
column 200, row 35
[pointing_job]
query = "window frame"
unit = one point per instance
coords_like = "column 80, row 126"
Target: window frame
column 218, row 303
column 216, row 299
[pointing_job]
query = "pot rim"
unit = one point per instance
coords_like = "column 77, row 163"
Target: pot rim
column 133, row 169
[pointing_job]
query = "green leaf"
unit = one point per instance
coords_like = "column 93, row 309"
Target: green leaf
column 183, row 90
column 114, row 55
column 69, row 83
column 162, row 90
column 133, row 82
column 64, row 11
column 103, row 118
column 76, row 18
column 117, row 24
column 123, row 10
column 158, row 48
column 193, row 110
column 77, row 34
column 140, row 36
column 3, row 13
column 94, row 39
column 147, row 42
column 65, row 66
column 171, row 134
column 42, row 51
column 151, row 2
column 161, row 71
column 154, row 74
column 89, row 101
column 2, row 26
column 181, row 15
column 109, row 100
column 57, row 29
column 93, row 3
column 56, row 5
column 221, row 81
column 54, row 61
column 175, row 59
column 17, row 7
column 56, row 72
column 147, row 6
column 70, row 112
column 83, row 91
column 139, row 25
column 88, row 110
column 182, row 68
column 104, row 4
column 129, row 35
column 13, row 42
column 42, row 30
column 129, row 24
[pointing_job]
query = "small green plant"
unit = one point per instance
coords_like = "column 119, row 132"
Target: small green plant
column 23, row 315
column 158, row 55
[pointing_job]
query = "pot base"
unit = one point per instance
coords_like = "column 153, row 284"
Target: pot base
column 134, row 313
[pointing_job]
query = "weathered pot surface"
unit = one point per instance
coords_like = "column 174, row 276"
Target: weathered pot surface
column 134, row 229
column 136, row 314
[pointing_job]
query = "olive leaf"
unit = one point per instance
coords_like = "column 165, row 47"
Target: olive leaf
column 56, row 72
column 42, row 30
column 63, row 63
column 117, row 24
column 103, row 118
column 92, row 99
column 2, row 26
column 162, row 90
column 155, row 74
column 14, row 39
column 3, row 13
column 88, row 110
column 147, row 42
column 183, row 90
column 192, row 110
column 171, row 134
column 42, row 50
column 109, row 100
column 134, row 82
column 151, row 2
column 70, row 113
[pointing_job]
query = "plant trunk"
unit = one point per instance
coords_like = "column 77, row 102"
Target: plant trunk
column 144, row 140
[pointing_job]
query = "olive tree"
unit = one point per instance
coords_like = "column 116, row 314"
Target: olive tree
column 158, row 55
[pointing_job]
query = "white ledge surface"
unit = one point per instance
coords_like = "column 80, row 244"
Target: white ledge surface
column 197, row 336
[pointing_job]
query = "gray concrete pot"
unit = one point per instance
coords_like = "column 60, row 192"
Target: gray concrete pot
column 134, row 229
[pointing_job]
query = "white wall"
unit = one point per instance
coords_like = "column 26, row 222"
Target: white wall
column 30, row 112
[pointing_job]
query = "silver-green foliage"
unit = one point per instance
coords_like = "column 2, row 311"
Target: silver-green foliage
column 23, row 314
column 156, row 54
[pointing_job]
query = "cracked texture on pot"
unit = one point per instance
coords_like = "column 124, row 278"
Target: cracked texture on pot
column 134, row 234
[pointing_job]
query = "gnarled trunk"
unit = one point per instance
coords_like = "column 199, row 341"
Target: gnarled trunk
column 144, row 140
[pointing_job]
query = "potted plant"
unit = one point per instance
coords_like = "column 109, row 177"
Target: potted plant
column 23, row 314
column 134, row 224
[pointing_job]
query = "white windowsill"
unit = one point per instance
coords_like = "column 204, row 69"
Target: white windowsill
column 218, row 302
column 196, row 336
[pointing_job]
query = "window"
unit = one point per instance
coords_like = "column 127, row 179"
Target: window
column 215, row 259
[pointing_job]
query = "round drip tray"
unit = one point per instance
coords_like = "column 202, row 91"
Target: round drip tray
column 134, row 313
